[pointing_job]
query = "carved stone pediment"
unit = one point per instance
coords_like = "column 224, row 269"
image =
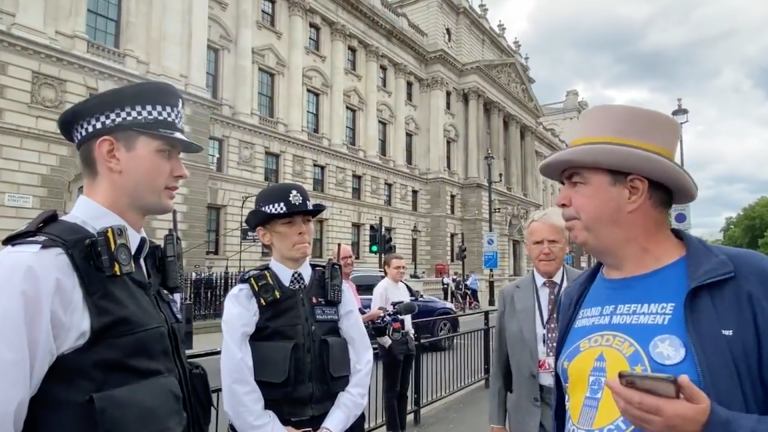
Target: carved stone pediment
column 508, row 74
column 352, row 96
column 411, row 125
column 269, row 56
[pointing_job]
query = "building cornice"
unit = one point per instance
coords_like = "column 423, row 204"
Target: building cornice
column 373, row 18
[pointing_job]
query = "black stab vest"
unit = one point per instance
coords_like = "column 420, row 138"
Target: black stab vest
column 300, row 363
column 131, row 373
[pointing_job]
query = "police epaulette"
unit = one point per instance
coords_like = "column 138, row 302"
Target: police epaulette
column 249, row 273
column 32, row 228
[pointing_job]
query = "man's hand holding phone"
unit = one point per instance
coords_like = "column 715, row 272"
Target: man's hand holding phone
column 688, row 412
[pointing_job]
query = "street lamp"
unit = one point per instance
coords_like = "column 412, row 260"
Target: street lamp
column 489, row 162
column 681, row 115
column 414, row 249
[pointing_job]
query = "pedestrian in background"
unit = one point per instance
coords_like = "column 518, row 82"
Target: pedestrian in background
column 89, row 332
column 292, row 357
column 396, row 356
column 659, row 300
column 446, row 283
column 522, row 373
column 347, row 259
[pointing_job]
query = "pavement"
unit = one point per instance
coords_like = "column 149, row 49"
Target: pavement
column 465, row 360
column 466, row 413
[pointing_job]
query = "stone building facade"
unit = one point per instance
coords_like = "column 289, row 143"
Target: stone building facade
column 382, row 109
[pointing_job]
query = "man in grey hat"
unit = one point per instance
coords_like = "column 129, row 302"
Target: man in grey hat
column 295, row 354
column 660, row 301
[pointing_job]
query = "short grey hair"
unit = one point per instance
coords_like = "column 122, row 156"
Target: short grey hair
column 551, row 215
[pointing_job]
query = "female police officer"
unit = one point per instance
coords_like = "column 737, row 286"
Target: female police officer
column 292, row 358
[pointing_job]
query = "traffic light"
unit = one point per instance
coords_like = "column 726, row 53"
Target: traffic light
column 387, row 247
column 373, row 240
column 461, row 254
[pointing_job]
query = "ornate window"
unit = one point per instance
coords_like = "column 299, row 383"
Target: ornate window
column 268, row 73
column 386, row 116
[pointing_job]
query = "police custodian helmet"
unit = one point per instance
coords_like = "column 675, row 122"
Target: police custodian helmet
column 152, row 108
column 281, row 201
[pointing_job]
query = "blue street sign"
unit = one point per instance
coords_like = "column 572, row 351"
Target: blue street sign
column 491, row 260
column 569, row 260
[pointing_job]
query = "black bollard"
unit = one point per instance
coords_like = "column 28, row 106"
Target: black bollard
column 189, row 329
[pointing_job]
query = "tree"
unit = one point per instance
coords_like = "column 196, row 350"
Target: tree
column 749, row 228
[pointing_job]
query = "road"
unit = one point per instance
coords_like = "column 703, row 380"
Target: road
column 441, row 372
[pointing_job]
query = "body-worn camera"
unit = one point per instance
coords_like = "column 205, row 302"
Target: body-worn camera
column 264, row 287
column 112, row 251
column 333, row 282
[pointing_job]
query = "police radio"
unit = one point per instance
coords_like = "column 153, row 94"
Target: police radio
column 112, row 251
column 333, row 279
column 263, row 285
column 172, row 258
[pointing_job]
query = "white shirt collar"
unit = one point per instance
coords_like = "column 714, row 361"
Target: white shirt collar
column 284, row 273
column 97, row 216
column 541, row 279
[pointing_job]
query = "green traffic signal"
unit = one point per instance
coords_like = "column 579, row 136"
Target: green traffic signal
column 374, row 248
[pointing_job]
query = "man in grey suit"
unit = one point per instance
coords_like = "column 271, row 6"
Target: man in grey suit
column 526, row 330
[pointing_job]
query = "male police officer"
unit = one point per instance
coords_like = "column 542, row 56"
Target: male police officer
column 295, row 355
column 88, row 333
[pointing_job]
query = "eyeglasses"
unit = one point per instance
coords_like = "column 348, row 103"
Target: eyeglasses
column 539, row 245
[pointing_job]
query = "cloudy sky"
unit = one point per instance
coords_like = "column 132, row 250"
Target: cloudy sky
column 711, row 53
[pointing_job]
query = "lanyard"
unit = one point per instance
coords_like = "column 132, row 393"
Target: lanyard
column 550, row 308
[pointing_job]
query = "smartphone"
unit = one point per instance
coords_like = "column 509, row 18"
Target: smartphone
column 661, row 385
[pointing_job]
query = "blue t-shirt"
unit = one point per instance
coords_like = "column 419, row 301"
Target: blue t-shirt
column 634, row 323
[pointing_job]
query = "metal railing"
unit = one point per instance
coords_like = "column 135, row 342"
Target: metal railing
column 437, row 374
column 207, row 291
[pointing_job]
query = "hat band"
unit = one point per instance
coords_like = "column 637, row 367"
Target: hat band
column 138, row 114
column 626, row 143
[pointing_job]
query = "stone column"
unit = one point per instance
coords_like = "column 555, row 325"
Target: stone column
column 499, row 150
column 398, row 133
column 514, row 151
column 297, row 10
column 30, row 20
column 539, row 180
column 472, row 128
column 372, row 54
column 72, row 15
column 495, row 140
column 436, row 129
column 529, row 157
column 461, row 142
column 482, row 144
column 198, row 47
column 338, row 117
column 155, row 33
column 172, row 37
column 133, row 36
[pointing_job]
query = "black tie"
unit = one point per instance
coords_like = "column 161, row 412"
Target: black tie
column 297, row 281
column 138, row 272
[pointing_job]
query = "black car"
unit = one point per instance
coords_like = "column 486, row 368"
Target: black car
column 446, row 321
